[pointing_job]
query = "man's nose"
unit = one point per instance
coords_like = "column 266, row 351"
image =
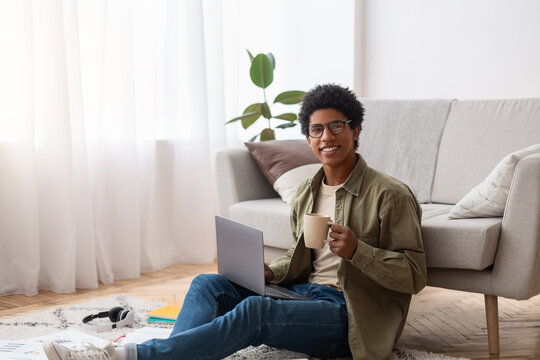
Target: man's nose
column 327, row 134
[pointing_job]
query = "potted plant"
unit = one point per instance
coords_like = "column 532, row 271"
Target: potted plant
column 262, row 75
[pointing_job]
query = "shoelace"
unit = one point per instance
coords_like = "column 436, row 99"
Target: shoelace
column 89, row 352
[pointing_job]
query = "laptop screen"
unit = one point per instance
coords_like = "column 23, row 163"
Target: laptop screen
column 240, row 254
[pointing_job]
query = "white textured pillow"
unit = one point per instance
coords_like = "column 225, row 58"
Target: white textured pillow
column 488, row 198
column 288, row 182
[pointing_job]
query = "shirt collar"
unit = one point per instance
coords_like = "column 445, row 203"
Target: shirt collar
column 353, row 182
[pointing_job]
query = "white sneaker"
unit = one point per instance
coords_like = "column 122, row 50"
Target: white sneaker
column 56, row 351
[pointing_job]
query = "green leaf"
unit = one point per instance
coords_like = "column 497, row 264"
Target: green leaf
column 265, row 111
column 286, row 125
column 287, row 116
column 250, row 55
column 253, row 107
column 261, row 71
column 272, row 60
column 268, row 134
column 243, row 116
column 253, row 138
column 251, row 114
column 290, row 97
column 233, row 120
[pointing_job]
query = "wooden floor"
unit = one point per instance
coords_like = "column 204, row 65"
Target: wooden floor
column 441, row 321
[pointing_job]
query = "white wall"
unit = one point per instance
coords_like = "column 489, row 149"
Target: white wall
column 466, row 49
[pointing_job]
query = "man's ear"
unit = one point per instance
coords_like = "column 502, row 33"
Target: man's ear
column 308, row 138
column 356, row 133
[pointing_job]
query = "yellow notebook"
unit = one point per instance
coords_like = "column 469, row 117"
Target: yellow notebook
column 169, row 312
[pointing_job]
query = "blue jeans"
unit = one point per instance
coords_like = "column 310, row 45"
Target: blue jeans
column 219, row 318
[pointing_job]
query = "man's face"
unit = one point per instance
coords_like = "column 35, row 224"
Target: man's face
column 332, row 150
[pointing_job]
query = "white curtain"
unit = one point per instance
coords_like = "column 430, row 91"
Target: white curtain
column 108, row 126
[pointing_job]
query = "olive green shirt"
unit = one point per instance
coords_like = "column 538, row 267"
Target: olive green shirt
column 388, row 265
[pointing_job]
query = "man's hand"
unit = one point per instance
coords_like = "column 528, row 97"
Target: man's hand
column 345, row 242
column 268, row 274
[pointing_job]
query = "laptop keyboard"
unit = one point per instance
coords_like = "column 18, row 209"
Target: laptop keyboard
column 276, row 292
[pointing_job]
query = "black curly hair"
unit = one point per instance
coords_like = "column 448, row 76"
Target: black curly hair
column 331, row 96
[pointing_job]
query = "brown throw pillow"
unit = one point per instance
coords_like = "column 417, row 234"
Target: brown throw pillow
column 275, row 157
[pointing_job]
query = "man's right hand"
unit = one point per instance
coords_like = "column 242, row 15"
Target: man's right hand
column 268, row 274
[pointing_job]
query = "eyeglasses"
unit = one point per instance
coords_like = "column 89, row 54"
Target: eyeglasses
column 336, row 127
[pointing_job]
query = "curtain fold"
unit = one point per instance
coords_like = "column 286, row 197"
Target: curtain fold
column 106, row 141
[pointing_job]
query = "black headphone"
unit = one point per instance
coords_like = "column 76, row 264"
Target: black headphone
column 119, row 316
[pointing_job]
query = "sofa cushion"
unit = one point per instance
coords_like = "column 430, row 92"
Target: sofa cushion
column 401, row 138
column 269, row 215
column 478, row 134
column 458, row 243
column 488, row 198
column 287, row 184
column 276, row 157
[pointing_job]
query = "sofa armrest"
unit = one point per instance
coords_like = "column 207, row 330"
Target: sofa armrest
column 517, row 264
column 239, row 179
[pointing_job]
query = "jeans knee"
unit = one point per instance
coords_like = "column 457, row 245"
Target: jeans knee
column 209, row 281
column 207, row 278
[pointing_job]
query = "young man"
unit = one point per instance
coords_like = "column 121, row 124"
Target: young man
column 360, row 283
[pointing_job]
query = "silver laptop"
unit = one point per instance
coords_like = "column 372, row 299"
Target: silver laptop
column 240, row 256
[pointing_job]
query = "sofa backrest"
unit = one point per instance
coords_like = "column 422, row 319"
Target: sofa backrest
column 478, row 134
column 401, row 138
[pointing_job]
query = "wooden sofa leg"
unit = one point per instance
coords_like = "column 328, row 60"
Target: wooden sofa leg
column 492, row 319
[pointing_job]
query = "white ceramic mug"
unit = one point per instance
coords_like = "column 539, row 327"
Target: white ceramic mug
column 316, row 230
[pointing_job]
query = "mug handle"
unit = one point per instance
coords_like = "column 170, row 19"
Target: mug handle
column 330, row 223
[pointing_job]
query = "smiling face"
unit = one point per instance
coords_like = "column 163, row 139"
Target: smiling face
column 336, row 152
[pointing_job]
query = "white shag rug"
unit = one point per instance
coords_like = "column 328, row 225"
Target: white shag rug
column 70, row 317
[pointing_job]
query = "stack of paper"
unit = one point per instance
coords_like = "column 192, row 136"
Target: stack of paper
column 32, row 349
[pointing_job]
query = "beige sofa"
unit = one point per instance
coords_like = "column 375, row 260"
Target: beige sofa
column 441, row 149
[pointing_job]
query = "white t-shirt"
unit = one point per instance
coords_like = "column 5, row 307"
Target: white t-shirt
column 325, row 262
